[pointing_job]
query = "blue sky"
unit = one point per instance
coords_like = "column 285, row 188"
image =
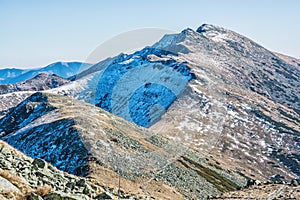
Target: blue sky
column 37, row 33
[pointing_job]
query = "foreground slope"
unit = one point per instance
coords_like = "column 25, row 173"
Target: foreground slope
column 22, row 177
column 85, row 140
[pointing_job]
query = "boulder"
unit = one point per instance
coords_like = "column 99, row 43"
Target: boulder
column 40, row 163
column 6, row 186
column 103, row 196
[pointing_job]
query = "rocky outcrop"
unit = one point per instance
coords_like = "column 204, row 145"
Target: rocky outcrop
column 22, row 177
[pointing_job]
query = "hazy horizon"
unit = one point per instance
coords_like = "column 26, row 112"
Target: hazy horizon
column 36, row 33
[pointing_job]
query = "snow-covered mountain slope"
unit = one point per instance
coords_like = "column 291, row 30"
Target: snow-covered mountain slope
column 83, row 139
column 40, row 82
column 63, row 69
column 12, row 94
column 236, row 99
column 11, row 100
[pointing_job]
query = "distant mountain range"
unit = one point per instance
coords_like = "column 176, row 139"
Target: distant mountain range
column 62, row 69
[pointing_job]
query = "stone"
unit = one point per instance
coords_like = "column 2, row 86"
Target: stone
column 103, row 196
column 6, row 186
column 88, row 190
column 58, row 196
column 81, row 183
column 250, row 182
column 5, row 150
column 34, row 196
column 294, row 182
column 257, row 182
column 70, row 185
column 277, row 179
column 40, row 163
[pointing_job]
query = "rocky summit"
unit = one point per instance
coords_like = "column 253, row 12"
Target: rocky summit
column 204, row 113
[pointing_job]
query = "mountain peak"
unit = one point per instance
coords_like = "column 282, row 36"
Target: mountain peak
column 187, row 30
column 208, row 27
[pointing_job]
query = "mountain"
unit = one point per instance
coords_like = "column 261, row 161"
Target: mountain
column 236, row 98
column 13, row 94
column 197, row 114
column 9, row 73
column 92, row 142
column 40, row 82
column 239, row 101
column 63, row 69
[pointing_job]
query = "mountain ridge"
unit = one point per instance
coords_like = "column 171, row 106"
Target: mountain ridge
column 234, row 120
column 63, row 69
column 237, row 69
column 90, row 146
column 40, row 82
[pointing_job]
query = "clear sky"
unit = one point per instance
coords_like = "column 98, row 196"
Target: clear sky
column 34, row 33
